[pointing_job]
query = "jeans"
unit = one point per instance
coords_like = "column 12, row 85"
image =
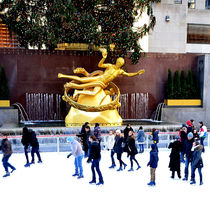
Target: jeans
column 78, row 165
column 112, row 157
column 193, row 174
column 202, row 143
column 6, row 164
column 132, row 157
column 141, row 148
column 35, row 150
column 95, row 165
column 187, row 162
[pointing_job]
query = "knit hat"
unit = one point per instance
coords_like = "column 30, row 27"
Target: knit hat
column 189, row 123
column 70, row 139
column 118, row 131
column 190, row 135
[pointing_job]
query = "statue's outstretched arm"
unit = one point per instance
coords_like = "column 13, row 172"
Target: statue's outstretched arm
column 101, row 63
column 132, row 74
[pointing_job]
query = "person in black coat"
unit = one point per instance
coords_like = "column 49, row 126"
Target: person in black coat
column 132, row 150
column 95, row 157
column 174, row 163
column 197, row 162
column 183, row 138
column 35, row 146
column 26, row 143
column 155, row 137
column 126, row 131
column 118, row 148
column 153, row 163
column 85, row 139
column 188, row 146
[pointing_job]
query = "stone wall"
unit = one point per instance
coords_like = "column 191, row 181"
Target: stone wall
column 35, row 72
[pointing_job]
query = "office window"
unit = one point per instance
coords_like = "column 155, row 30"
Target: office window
column 207, row 4
column 197, row 33
column 191, row 4
column 177, row 1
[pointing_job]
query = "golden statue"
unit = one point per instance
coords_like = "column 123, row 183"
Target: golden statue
column 92, row 100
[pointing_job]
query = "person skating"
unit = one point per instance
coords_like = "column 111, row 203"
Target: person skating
column 26, row 143
column 78, row 156
column 197, row 162
column 6, row 149
column 202, row 134
column 110, row 146
column 183, row 138
column 188, row 146
column 141, row 138
column 155, row 137
column 85, row 140
column 153, row 163
column 174, row 163
column 34, row 146
column 94, row 158
column 119, row 149
column 132, row 150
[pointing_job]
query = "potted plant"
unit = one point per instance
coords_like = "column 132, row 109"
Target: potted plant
column 4, row 90
column 182, row 90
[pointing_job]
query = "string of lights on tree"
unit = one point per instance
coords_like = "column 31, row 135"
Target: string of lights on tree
column 99, row 22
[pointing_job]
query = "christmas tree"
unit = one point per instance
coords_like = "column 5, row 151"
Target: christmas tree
column 49, row 22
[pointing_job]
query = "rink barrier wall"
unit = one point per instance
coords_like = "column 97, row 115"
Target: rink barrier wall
column 58, row 143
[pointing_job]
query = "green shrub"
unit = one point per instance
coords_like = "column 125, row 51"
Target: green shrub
column 177, row 85
column 170, row 85
column 4, row 90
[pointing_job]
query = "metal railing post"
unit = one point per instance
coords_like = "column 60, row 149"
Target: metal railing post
column 58, row 144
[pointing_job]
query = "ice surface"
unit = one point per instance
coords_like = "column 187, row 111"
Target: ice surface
column 51, row 184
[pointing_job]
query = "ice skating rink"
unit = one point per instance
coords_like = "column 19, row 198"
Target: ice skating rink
column 51, row 184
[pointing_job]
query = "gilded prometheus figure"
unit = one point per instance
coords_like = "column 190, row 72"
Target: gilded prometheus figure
column 92, row 93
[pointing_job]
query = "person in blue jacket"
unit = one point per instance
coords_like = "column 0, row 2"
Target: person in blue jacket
column 153, row 163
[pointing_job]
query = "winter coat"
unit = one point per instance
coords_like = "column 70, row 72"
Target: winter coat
column 197, row 161
column 110, row 141
column 25, row 140
column 6, row 147
column 140, row 136
column 95, row 151
column 126, row 131
column 153, row 162
column 155, row 137
column 174, row 163
column 188, row 146
column 33, row 140
column 132, row 150
column 97, row 132
column 118, row 144
column 76, row 148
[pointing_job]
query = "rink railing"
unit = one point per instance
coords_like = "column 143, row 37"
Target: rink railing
column 58, row 143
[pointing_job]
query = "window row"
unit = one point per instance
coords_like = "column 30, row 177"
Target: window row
column 192, row 3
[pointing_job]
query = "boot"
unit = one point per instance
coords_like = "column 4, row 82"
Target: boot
column 151, row 183
column 92, row 182
column 6, row 175
column 138, row 167
column 193, row 182
column 112, row 166
column 120, row 169
column 131, row 169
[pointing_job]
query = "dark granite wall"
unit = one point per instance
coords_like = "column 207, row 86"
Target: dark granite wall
column 33, row 71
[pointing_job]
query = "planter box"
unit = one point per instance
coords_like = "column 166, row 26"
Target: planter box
column 183, row 102
column 4, row 103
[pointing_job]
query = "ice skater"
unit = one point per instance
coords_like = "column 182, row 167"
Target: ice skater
column 6, row 148
column 94, row 158
column 118, row 148
column 153, row 163
column 26, row 143
column 132, row 150
column 78, row 154
column 110, row 146
column 174, row 163
column 197, row 162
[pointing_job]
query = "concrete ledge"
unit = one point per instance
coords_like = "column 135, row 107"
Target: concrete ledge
column 9, row 118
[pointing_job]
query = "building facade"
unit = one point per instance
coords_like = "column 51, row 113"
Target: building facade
column 182, row 26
